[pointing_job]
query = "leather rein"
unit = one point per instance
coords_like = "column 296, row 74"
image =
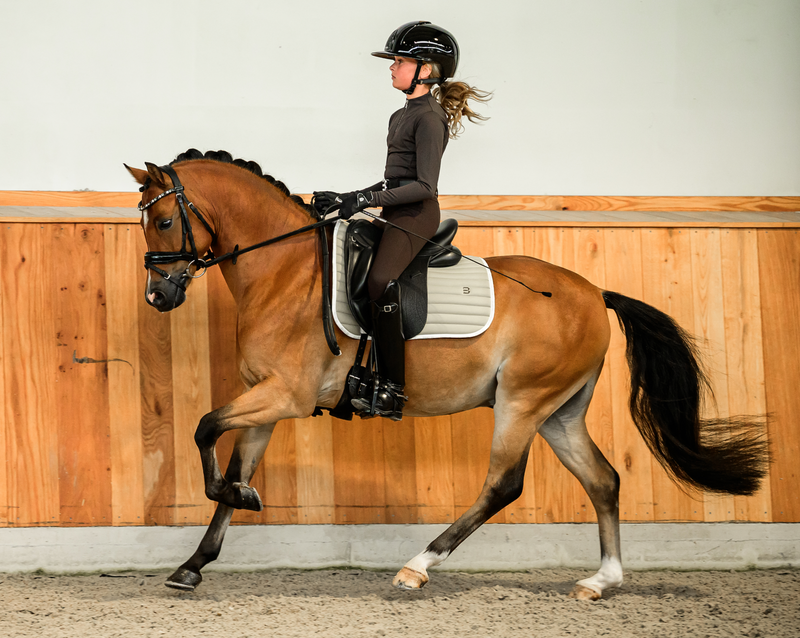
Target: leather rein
column 152, row 259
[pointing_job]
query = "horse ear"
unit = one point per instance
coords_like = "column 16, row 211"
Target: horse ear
column 138, row 174
column 156, row 175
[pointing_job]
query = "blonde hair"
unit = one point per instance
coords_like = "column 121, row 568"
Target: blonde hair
column 453, row 98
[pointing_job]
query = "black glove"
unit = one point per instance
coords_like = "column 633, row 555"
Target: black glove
column 354, row 202
column 323, row 200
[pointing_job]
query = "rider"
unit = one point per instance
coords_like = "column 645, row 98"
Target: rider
column 422, row 55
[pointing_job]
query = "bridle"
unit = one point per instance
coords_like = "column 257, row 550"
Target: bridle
column 153, row 258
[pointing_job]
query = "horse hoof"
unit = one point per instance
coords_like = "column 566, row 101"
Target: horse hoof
column 584, row 593
column 184, row 579
column 409, row 579
column 246, row 497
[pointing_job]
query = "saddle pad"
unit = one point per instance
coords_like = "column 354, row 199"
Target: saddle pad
column 460, row 297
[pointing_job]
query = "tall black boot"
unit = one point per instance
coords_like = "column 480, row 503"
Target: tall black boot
column 386, row 398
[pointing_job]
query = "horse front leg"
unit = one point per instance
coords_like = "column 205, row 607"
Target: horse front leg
column 259, row 408
column 247, row 454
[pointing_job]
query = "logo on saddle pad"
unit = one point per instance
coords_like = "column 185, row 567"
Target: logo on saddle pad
column 449, row 314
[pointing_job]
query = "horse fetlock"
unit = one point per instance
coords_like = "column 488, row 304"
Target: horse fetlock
column 408, row 578
column 184, row 579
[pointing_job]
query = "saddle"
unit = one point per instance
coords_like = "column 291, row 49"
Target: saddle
column 361, row 242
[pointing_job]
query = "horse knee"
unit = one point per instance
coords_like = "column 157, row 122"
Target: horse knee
column 207, row 433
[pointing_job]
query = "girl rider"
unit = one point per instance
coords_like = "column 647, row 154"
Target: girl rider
column 422, row 55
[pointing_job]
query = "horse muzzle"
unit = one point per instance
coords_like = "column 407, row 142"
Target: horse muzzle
column 164, row 295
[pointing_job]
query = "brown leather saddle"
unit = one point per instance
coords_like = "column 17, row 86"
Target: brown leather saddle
column 360, row 243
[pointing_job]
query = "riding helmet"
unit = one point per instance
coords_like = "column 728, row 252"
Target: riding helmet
column 424, row 42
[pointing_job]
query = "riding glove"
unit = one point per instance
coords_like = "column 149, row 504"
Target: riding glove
column 354, row 202
column 323, row 200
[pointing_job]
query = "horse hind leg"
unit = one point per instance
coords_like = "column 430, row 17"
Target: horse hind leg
column 247, row 454
column 565, row 431
column 514, row 430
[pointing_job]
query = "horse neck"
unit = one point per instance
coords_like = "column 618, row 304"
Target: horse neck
column 247, row 216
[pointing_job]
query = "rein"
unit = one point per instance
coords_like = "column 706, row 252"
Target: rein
column 152, row 259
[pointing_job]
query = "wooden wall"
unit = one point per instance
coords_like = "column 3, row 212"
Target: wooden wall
column 101, row 394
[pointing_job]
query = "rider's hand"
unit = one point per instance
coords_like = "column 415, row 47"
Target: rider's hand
column 354, row 202
column 323, row 200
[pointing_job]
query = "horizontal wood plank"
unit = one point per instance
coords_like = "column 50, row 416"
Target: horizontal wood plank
column 90, row 199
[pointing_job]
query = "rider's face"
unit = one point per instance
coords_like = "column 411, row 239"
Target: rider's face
column 403, row 70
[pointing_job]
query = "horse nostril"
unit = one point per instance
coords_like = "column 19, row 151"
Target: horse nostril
column 156, row 298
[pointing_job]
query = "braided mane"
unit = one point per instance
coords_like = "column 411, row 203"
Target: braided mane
column 253, row 167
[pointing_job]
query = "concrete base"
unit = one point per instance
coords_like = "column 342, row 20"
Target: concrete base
column 702, row 546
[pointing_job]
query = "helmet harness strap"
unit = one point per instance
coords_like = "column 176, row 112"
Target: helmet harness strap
column 415, row 81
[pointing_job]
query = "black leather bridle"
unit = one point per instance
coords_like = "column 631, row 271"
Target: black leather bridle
column 152, row 259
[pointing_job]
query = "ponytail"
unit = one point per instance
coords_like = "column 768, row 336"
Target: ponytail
column 453, row 98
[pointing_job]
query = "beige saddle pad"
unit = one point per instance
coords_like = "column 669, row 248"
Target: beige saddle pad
column 460, row 298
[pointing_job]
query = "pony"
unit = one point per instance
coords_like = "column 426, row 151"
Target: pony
column 537, row 382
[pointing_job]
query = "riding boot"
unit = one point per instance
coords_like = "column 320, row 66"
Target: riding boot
column 386, row 398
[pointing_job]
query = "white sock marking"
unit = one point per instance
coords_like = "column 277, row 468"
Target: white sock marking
column 610, row 575
column 421, row 562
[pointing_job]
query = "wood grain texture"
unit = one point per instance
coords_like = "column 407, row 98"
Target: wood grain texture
column 779, row 260
column 88, row 199
column 667, row 278
column 433, row 440
column 124, row 283
column 359, row 470
column 158, row 438
column 399, row 453
column 4, row 432
column 30, row 344
column 191, row 377
column 632, row 459
column 709, row 328
column 84, row 455
column 315, row 476
column 737, row 289
column 744, row 351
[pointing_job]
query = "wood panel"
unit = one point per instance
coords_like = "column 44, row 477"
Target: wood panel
column 124, row 281
column 89, row 199
column 632, row 459
column 158, row 438
column 111, row 442
column 779, row 261
column 84, row 454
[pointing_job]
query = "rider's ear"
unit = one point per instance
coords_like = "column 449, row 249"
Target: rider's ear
column 156, row 175
column 138, row 174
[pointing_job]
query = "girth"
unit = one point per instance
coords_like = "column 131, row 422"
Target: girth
column 360, row 244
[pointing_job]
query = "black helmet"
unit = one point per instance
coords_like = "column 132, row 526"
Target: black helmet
column 424, row 42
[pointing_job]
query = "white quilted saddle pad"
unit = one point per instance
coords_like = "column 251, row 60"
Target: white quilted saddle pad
column 460, row 298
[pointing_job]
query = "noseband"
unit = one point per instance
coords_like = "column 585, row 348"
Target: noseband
column 153, row 259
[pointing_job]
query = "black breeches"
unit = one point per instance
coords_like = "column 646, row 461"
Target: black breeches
column 397, row 248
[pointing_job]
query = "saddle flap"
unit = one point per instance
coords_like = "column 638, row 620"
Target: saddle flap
column 361, row 241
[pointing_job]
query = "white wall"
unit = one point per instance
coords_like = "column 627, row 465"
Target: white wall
column 603, row 97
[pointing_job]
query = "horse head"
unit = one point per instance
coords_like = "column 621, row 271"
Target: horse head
column 174, row 243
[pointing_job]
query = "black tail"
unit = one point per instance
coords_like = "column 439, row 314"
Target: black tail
column 667, row 388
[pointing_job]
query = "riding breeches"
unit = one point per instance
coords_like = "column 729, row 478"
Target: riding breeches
column 397, row 248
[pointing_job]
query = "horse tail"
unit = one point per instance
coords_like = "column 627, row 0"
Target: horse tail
column 728, row 455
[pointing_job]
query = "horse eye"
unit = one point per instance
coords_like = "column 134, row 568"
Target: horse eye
column 165, row 224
